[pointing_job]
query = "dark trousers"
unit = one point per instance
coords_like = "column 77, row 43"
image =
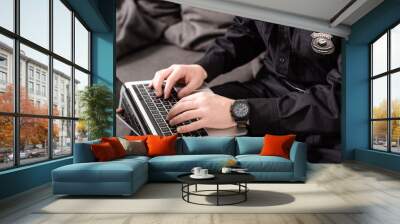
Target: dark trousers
column 237, row 90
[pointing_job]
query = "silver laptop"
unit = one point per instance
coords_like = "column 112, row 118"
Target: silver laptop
column 144, row 113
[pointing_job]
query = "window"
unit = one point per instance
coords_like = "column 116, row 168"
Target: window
column 43, row 77
column 30, row 72
column 6, row 142
column 62, row 137
column 395, row 47
column 3, row 72
column 3, row 61
column 30, row 87
column 62, row 74
column 3, row 81
column 385, row 91
column 35, row 21
column 62, row 29
column 55, row 100
column 7, row 14
column 33, row 147
column 40, row 129
column 6, row 73
column 81, row 81
column 44, row 91
column 3, row 78
column 37, row 89
column 81, row 45
column 38, row 74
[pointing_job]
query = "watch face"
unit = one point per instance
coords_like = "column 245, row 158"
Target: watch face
column 241, row 110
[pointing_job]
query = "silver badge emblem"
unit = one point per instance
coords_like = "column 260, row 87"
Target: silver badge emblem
column 321, row 43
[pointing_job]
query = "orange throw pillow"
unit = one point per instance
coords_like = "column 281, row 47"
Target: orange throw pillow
column 277, row 145
column 103, row 152
column 116, row 145
column 161, row 145
column 136, row 137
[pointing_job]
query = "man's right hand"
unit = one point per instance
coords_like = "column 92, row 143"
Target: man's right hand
column 192, row 76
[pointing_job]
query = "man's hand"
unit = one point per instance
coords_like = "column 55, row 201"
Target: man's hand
column 192, row 76
column 211, row 110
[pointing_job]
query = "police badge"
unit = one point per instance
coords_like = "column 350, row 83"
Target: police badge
column 321, row 43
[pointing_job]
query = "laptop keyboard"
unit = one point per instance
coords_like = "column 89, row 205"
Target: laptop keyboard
column 159, row 108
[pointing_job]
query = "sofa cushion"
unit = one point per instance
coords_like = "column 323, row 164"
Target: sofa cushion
column 185, row 163
column 103, row 152
column 277, row 145
column 207, row 145
column 249, row 145
column 136, row 137
column 257, row 163
column 161, row 145
column 134, row 147
column 116, row 145
column 112, row 171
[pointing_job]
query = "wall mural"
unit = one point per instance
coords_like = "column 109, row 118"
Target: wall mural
column 193, row 72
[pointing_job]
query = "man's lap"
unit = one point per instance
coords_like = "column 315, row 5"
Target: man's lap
column 238, row 90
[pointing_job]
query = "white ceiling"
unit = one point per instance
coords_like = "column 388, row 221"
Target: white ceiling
column 320, row 9
column 316, row 15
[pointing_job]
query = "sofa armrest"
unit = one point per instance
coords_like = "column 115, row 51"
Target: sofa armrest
column 298, row 155
column 83, row 152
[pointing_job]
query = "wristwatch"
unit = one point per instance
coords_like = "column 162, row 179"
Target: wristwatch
column 240, row 111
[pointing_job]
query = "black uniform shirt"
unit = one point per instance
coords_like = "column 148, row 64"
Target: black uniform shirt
column 301, row 87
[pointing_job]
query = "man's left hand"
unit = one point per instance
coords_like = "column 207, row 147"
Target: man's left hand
column 210, row 110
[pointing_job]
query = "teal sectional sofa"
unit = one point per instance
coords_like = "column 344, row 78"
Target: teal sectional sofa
column 125, row 176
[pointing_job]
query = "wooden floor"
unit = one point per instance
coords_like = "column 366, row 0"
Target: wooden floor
column 379, row 189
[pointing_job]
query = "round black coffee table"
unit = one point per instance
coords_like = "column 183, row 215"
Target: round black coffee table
column 238, row 179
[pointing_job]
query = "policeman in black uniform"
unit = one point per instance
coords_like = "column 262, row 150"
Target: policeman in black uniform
column 297, row 90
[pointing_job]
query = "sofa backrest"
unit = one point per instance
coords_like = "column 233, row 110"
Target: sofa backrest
column 249, row 145
column 83, row 152
column 191, row 146
column 206, row 145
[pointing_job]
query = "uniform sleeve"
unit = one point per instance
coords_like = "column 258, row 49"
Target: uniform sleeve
column 315, row 111
column 239, row 45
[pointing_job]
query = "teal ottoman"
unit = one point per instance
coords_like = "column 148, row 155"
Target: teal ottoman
column 118, row 177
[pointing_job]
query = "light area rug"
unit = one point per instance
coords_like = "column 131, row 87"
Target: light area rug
column 166, row 198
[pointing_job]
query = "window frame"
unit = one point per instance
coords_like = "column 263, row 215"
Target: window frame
column 388, row 74
column 16, row 114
